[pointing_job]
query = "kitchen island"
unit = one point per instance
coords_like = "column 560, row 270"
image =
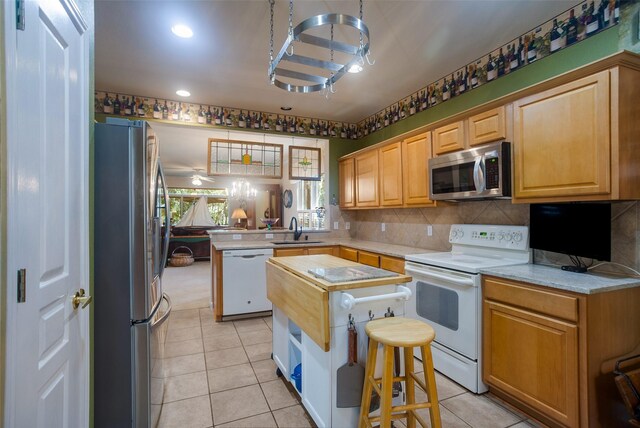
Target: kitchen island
column 310, row 318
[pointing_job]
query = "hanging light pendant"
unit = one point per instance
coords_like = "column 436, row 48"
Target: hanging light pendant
column 329, row 71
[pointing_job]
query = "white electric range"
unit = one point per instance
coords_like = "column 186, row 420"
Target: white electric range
column 446, row 294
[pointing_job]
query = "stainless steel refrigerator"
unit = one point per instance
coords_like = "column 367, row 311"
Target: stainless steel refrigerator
column 130, row 250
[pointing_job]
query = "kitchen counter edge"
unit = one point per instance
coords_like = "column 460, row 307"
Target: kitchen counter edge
column 554, row 277
column 377, row 247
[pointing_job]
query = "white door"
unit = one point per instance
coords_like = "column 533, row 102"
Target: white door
column 47, row 342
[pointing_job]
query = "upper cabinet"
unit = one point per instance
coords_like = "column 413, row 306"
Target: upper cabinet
column 487, row 126
column 481, row 128
column 346, row 177
column 449, row 138
column 391, row 175
column 388, row 175
column 366, row 179
column 416, row 152
column 579, row 141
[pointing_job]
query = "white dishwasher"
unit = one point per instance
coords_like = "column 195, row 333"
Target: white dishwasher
column 244, row 281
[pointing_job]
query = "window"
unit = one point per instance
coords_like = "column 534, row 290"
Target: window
column 182, row 199
column 310, row 203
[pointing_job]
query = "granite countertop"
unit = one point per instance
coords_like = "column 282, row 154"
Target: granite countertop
column 554, row 277
column 377, row 247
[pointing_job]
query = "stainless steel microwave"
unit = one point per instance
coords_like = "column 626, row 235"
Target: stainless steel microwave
column 480, row 173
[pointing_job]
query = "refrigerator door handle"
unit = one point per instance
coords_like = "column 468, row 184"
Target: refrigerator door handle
column 164, row 317
column 167, row 221
column 152, row 314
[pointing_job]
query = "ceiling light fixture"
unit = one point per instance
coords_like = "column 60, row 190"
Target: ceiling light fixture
column 329, row 70
column 355, row 68
column 183, row 93
column 183, row 31
column 285, row 108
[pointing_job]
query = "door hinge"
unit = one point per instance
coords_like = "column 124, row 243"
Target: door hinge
column 20, row 15
column 22, row 285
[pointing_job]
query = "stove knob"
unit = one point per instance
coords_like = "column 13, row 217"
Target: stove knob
column 500, row 236
column 454, row 234
column 517, row 237
column 460, row 233
column 507, row 236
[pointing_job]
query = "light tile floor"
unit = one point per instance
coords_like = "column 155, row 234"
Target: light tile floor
column 222, row 375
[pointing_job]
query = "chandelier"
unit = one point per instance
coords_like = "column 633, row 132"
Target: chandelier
column 242, row 190
column 315, row 53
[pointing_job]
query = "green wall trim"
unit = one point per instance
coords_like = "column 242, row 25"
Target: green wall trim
column 585, row 52
column 599, row 46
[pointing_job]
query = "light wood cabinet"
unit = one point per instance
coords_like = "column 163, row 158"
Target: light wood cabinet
column 533, row 357
column 416, row 152
column 449, row 138
column 367, row 258
column 487, row 126
column 366, row 178
column 393, row 264
column 348, row 254
column 551, row 352
column 390, row 157
column 346, row 178
column 304, row 251
column 580, row 140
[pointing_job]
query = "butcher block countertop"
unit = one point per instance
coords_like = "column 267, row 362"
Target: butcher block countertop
column 304, row 298
column 300, row 266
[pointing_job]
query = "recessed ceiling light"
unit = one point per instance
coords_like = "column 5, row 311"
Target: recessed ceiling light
column 183, row 93
column 183, row 31
column 355, row 68
column 285, row 108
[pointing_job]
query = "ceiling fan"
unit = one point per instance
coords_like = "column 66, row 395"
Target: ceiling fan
column 198, row 178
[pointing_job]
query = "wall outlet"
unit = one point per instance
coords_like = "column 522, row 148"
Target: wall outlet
column 237, row 236
column 336, row 226
column 383, row 227
column 268, row 236
column 429, row 230
column 347, row 225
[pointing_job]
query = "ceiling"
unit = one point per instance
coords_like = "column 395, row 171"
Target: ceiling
column 413, row 43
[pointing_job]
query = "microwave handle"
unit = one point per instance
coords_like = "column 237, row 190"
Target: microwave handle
column 478, row 174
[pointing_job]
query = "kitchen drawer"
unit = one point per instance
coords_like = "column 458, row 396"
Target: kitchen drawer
column 545, row 302
column 320, row 250
column 349, row 254
column 367, row 258
column 285, row 252
column 393, row 264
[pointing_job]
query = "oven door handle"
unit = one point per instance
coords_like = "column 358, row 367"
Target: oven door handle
column 469, row 282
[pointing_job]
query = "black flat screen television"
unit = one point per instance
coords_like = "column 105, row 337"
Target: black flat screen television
column 576, row 229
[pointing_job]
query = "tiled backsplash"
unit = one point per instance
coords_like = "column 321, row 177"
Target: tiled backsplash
column 410, row 226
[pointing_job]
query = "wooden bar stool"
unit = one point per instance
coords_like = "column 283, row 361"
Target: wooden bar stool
column 401, row 333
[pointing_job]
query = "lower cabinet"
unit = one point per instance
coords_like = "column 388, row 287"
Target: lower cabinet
column 534, row 358
column 304, row 251
column 394, row 264
column 552, row 352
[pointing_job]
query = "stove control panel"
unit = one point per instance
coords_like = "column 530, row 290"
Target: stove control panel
column 494, row 236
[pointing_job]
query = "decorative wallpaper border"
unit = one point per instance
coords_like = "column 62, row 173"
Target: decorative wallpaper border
column 136, row 106
column 554, row 35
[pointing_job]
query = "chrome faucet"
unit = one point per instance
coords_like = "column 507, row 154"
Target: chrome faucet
column 296, row 233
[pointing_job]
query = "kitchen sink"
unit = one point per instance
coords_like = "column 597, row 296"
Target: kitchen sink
column 295, row 242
